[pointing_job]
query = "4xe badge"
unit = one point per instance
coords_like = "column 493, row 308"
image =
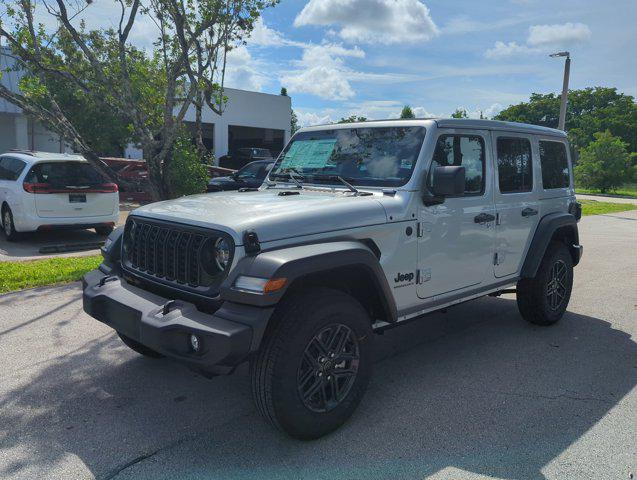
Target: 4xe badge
column 404, row 279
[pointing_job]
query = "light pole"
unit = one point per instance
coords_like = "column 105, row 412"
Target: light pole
column 567, row 71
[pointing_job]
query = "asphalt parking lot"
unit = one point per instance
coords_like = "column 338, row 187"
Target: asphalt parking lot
column 28, row 247
column 473, row 393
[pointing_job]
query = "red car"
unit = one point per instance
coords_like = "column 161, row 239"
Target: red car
column 134, row 177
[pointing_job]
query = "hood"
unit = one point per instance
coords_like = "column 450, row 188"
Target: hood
column 271, row 215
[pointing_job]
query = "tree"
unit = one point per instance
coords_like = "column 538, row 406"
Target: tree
column 459, row 113
column 352, row 119
column 407, row 112
column 589, row 111
column 604, row 164
column 284, row 92
column 148, row 92
column 294, row 123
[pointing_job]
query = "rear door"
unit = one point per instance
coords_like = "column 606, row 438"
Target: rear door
column 455, row 249
column 516, row 199
column 71, row 189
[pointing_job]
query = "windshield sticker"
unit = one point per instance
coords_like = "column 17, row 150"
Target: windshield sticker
column 308, row 154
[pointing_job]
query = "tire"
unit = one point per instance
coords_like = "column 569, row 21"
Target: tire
column 289, row 364
column 138, row 347
column 542, row 300
column 104, row 231
column 8, row 226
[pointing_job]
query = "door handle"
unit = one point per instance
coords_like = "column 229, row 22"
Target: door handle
column 484, row 218
column 529, row 212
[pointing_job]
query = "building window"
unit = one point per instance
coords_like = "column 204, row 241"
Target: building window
column 554, row 165
column 515, row 166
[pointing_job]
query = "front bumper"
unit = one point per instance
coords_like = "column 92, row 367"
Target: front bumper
column 227, row 337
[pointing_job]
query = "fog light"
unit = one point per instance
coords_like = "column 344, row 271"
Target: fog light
column 195, row 343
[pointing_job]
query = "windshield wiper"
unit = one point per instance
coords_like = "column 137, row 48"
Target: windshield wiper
column 351, row 187
column 290, row 173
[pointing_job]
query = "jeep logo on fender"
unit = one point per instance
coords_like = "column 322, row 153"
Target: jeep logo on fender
column 404, row 277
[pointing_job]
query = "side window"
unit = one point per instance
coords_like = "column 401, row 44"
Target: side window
column 515, row 167
column 466, row 151
column 554, row 165
column 11, row 168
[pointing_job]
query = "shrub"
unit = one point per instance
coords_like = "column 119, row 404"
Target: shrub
column 604, row 164
column 186, row 174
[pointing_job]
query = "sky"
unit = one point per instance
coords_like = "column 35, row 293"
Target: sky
column 370, row 57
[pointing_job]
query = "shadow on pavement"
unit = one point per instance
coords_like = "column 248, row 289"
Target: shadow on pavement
column 476, row 389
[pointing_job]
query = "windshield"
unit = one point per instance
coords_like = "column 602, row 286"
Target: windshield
column 251, row 170
column 377, row 156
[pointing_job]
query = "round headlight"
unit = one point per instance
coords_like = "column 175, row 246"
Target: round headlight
column 222, row 253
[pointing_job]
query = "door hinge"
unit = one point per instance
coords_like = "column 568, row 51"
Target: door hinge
column 419, row 229
column 423, row 276
column 495, row 258
column 498, row 220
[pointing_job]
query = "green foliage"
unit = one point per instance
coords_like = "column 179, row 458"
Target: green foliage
column 186, row 174
column 294, row 122
column 352, row 119
column 459, row 113
column 21, row 275
column 589, row 110
column 603, row 164
column 407, row 112
column 284, row 92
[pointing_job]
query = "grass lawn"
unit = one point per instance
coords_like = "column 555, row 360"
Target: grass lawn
column 37, row 273
column 628, row 190
column 592, row 207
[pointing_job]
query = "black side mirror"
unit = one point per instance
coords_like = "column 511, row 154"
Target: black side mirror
column 446, row 182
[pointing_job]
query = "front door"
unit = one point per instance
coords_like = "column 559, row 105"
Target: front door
column 516, row 203
column 456, row 241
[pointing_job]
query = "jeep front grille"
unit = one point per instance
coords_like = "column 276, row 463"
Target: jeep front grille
column 171, row 253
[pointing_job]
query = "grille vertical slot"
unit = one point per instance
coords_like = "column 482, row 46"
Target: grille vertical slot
column 171, row 253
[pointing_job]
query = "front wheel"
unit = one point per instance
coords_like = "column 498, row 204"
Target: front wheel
column 543, row 299
column 314, row 365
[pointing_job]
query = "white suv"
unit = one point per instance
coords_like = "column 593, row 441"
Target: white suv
column 45, row 191
column 358, row 228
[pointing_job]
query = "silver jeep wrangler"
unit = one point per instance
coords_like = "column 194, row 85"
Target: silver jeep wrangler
column 357, row 228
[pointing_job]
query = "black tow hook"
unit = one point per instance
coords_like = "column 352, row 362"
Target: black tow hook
column 107, row 278
column 165, row 310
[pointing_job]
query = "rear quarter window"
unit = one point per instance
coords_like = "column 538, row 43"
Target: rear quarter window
column 554, row 163
column 11, row 168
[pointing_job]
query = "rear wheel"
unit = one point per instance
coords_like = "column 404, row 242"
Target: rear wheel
column 542, row 300
column 314, row 365
column 138, row 347
column 7, row 224
column 104, row 231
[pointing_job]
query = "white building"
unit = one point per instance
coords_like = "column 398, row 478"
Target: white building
column 250, row 119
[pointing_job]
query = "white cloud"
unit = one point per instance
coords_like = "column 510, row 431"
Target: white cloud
column 372, row 21
column 510, row 49
column 557, row 35
column 264, row 36
column 322, row 72
column 541, row 38
column 242, row 71
column 307, row 119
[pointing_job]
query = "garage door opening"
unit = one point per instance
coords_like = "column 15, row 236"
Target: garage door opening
column 251, row 137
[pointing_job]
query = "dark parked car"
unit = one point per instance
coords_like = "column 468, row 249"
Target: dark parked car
column 250, row 176
column 242, row 156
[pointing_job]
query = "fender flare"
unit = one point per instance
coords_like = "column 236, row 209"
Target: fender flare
column 295, row 262
column 544, row 232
